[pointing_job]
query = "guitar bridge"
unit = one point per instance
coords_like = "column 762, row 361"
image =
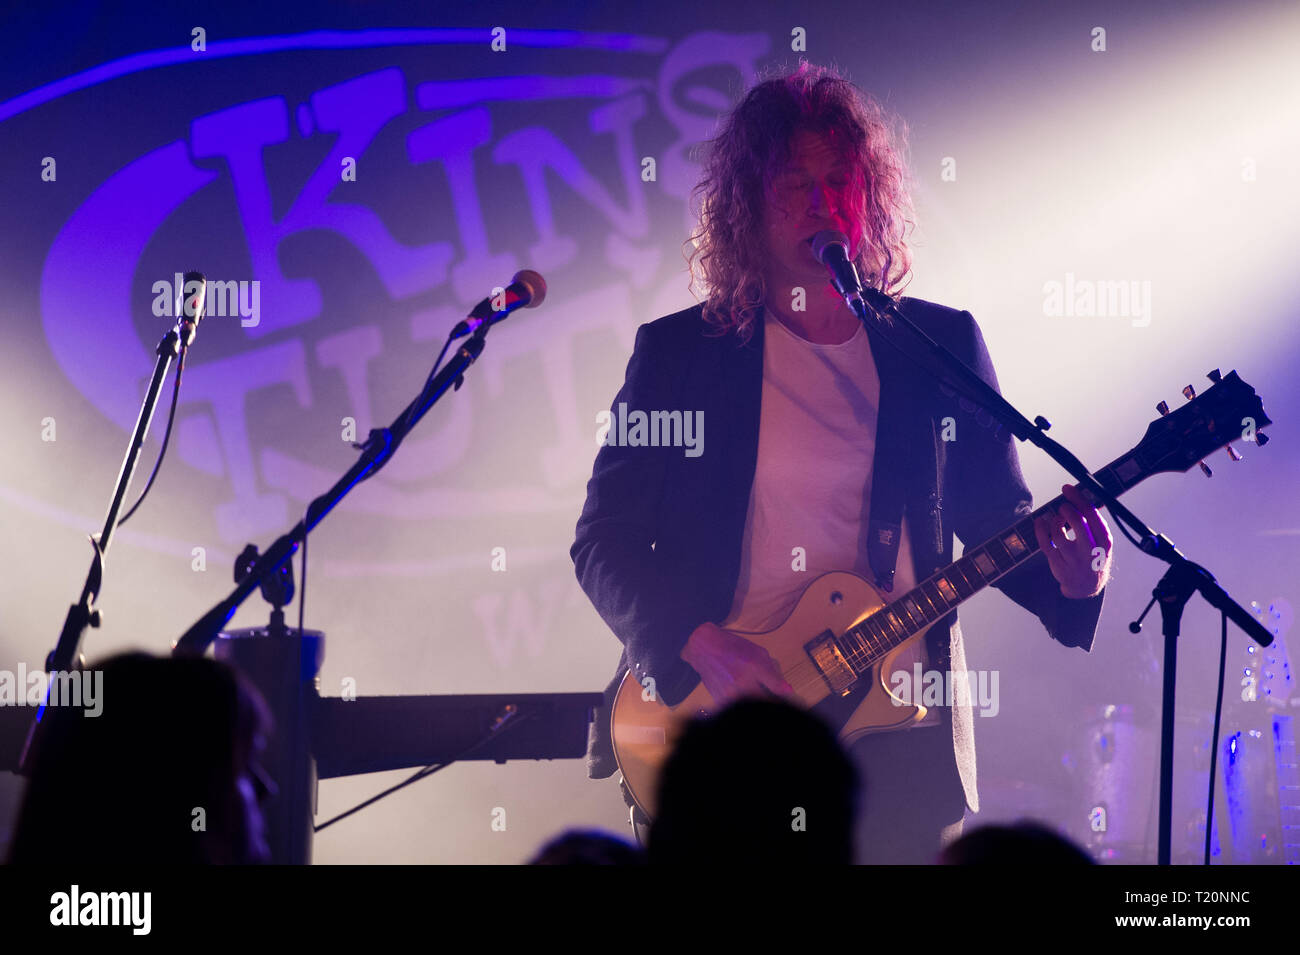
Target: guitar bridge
column 826, row 655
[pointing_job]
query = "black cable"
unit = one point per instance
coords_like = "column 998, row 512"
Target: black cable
column 509, row 717
column 1123, row 528
column 398, row 432
column 302, row 581
column 429, row 380
column 438, row 363
column 171, row 416
column 1214, row 740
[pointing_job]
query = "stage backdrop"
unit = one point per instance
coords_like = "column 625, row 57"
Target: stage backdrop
column 362, row 174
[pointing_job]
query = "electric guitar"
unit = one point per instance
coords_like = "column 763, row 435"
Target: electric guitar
column 839, row 642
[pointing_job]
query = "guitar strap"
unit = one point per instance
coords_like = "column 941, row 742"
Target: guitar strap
column 892, row 464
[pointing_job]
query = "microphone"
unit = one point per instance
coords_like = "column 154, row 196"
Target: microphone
column 832, row 250
column 526, row 290
column 191, row 303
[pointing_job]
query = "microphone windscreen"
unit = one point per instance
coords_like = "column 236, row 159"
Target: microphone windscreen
column 194, row 295
column 827, row 238
column 535, row 284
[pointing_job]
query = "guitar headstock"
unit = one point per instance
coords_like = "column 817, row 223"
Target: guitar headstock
column 1176, row 440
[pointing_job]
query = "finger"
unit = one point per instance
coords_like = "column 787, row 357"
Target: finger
column 770, row 676
column 1051, row 526
column 756, row 688
column 1080, row 504
column 1096, row 521
column 1043, row 532
column 1101, row 533
column 1055, row 562
column 1082, row 529
column 1060, row 531
column 1060, row 537
column 1048, row 543
column 721, row 700
column 777, row 684
column 729, row 683
column 1075, row 496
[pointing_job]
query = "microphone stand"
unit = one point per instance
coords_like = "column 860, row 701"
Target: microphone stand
column 284, row 663
column 1179, row 582
column 375, row 453
column 67, row 651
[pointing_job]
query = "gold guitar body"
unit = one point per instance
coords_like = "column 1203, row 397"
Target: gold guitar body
column 645, row 729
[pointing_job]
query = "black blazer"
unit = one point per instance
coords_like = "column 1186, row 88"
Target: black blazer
column 658, row 544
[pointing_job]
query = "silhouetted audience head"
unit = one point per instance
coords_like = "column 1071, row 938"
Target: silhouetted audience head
column 1024, row 844
column 761, row 782
column 167, row 773
column 588, row 847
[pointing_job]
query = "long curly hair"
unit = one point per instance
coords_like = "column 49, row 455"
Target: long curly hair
column 742, row 161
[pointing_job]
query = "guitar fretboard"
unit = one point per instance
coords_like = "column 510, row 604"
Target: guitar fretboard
column 937, row 596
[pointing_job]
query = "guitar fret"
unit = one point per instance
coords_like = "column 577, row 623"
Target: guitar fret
column 904, row 616
column 957, row 578
column 1016, row 546
column 866, row 638
column 968, row 581
column 851, row 644
column 914, row 613
column 984, row 565
column 897, row 622
column 946, row 589
column 928, row 608
column 878, row 631
column 889, row 635
column 999, row 554
column 935, row 597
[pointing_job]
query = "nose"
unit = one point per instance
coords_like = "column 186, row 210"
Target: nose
column 819, row 200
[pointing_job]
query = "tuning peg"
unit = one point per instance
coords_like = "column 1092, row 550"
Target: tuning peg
column 1206, row 468
column 1214, row 376
column 1261, row 439
column 1189, row 392
column 1163, row 408
column 1232, row 453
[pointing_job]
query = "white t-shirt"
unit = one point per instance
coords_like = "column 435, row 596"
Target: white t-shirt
column 812, row 485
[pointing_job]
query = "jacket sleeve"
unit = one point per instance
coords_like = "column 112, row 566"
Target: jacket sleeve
column 986, row 493
column 613, row 552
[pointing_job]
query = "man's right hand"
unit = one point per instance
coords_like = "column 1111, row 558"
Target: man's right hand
column 731, row 666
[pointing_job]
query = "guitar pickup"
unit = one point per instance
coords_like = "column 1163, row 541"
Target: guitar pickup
column 830, row 662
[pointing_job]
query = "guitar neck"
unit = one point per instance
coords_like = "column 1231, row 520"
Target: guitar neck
column 938, row 595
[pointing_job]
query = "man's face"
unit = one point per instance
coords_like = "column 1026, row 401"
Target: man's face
column 814, row 191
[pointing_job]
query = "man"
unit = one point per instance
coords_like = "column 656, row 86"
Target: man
column 823, row 451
